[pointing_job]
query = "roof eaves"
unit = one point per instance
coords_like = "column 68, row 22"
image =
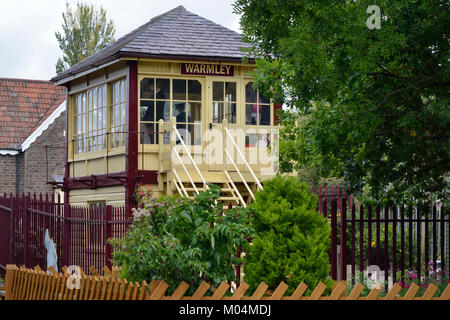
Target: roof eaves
column 9, row 152
column 44, row 126
column 186, row 57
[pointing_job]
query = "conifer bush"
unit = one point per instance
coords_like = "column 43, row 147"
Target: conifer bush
column 291, row 238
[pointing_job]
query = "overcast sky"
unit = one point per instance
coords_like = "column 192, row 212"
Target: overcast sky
column 28, row 47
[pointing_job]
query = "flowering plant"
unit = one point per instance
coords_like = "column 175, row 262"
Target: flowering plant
column 143, row 193
column 435, row 276
column 181, row 239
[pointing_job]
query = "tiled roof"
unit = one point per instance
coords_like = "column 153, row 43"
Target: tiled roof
column 176, row 33
column 24, row 105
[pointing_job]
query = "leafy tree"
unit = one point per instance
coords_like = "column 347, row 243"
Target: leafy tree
column 85, row 31
column 291, row 238
column 183, row 240
column 368, row 105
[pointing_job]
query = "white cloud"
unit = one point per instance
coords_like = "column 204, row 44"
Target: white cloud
column 28, row 47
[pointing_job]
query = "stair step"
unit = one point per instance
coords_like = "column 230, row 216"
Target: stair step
column 228, row 198
column 192, row 189
column 202, row 189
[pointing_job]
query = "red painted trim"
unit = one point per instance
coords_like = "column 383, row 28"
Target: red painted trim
column 148, row 177
column 108, row 180
column 131, row 154
column 66, row 187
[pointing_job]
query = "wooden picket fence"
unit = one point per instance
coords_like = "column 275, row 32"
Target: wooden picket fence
column 35, row 284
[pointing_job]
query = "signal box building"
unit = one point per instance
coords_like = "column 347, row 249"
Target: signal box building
column 171, row 105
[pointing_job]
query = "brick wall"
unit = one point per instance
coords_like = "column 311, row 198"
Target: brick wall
column 31, row 164
column 7, row 174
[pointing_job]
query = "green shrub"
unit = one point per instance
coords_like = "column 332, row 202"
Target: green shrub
column 292, row 238
column 179, row 239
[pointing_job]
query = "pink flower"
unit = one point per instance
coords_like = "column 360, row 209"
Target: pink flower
column 142, row 193
column 425, row 286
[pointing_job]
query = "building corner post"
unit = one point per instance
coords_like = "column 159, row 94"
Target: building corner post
column 131, row 156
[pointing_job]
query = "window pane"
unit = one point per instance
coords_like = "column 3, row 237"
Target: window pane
column 250, row 93
column 230, row 110
column 162, row 89
column 78, row 104
column 179, row 89
column 147, row 111
column 196, row 134
column 184, row 133
column 90, row 118
column 116, row 92
column 147, row 88
column 217, row 112
column 250, row 140
column 264, row 115
column 194, row 90
column 89, row 93
column 123, row 113
column 94, row 120
column 104, row 118
column 218, row 91
column 84, row 102
column 94, row 99
column 104, row 95
column 163, row 110
column 264, row 140
column 84, row 123
column 194, row 112
column 116, row 115
column 230, row 91
column 123, row 95
column 76, row 124
column 250, row 114
column 179, row 111
column 263, row 99
column 147, row 136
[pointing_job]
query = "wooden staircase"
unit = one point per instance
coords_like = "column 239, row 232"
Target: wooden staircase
column 237, row 188
column 229, row 194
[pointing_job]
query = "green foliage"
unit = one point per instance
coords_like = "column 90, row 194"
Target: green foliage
column 176, row 240
column 85, row 31
column 370, row 106
column 291, row 240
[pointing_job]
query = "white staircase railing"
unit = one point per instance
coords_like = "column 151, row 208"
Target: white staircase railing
column 239, row 152
column 188, row 153
column 230, row 184
column 235, row 190
column 177, row 181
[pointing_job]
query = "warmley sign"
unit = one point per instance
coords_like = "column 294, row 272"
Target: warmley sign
column 207, row 69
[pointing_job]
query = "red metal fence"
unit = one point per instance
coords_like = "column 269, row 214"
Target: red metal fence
column 80, row 233
column 328, row 193
column 397, row 239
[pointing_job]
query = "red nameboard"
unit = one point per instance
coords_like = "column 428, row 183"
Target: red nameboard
column 207, row 69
